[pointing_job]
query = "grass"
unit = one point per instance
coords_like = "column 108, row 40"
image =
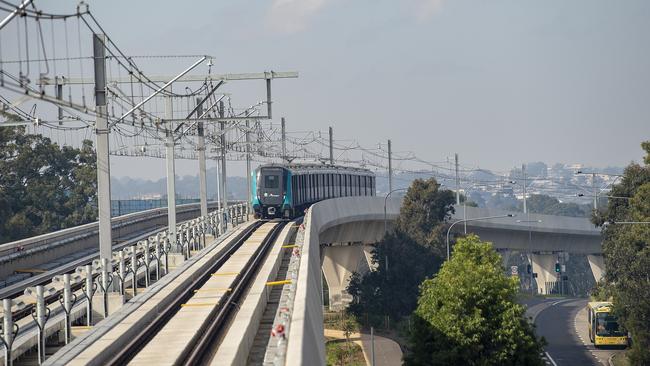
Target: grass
column 341, row 353
column 620, row 359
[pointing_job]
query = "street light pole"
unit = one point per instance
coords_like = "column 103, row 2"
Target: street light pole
column 523, row 176
column 530, row 248
column 385, row 200
column 594, row 189
column 474, row 219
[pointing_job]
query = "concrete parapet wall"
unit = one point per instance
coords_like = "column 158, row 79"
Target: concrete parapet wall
column 306, row 340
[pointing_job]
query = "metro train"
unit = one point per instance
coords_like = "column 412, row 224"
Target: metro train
column 286, row 190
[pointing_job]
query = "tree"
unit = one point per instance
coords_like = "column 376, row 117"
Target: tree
column 43, row 187
column 406, row 256
column 392, row 288
column 627, row 255
column 424, row 209
column 468, row 314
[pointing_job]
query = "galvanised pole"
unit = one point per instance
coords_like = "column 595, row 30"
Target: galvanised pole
column 390, row 167
column 203, row 190
column 284, row 140
column 224, row 175
column 103, row 160
column 171, row 175
column 331, row 146
column 248, row 166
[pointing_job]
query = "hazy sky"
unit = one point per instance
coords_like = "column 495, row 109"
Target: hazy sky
column 499, row 82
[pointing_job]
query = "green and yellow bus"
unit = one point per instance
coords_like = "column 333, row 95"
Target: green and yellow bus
column 604, row 329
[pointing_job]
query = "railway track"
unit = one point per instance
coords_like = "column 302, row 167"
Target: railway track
column 189, row 328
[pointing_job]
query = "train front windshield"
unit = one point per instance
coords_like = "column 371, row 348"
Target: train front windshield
column 270, row 186
column 272, row 181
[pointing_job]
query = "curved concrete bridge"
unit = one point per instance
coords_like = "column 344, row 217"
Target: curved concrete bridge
column 338, row 238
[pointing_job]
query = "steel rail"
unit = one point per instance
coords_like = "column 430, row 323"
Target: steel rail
column 139, row 340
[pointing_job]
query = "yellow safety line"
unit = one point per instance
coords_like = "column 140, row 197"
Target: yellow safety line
column 81, row 327
column 207, row 297
column 199, row 304
column 289, row 246
column 283, row 282
column 226, row 274
column 213, row 289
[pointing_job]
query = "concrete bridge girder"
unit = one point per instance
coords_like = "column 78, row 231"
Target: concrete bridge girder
column 523, row 241
column 544, row 266
column 597, row 265
column 339, row 263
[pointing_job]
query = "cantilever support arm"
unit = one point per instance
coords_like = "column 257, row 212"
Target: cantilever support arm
column 207, row 110
column 13, row 14
column 158, row 91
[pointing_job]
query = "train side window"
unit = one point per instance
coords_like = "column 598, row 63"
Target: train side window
column 319, row 184
column 338, row 184
column 297, row 188
column 358, row 185
column 350, row 190
column 367, row 186
column 349, row 185
column 362, row 185
column 329, row 185
column 325, row 186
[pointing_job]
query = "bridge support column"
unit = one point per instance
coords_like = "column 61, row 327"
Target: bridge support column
column 339, row 262
column 597, row 264
column 505, row 257
column 544, row 266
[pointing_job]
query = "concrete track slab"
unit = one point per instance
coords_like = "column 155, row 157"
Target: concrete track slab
column 175, row 338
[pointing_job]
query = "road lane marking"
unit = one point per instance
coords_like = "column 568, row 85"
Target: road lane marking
column 550, row 359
